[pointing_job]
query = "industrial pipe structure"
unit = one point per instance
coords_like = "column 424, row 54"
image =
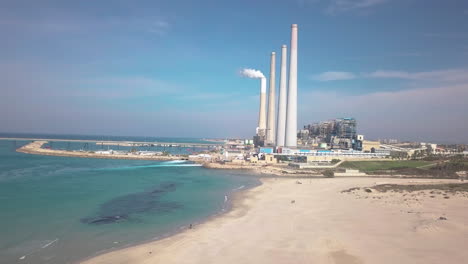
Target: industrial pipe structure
column 262, row 116
column 281, row 126
column 291, row 114
column 271, row 121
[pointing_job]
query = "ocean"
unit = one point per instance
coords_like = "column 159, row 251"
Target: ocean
column 62, row 209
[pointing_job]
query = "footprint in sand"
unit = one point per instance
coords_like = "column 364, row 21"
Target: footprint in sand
column 428, row 226
column 338, row 254
column 342, row 257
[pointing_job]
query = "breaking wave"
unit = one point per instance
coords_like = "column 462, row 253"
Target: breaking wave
column 164, row 164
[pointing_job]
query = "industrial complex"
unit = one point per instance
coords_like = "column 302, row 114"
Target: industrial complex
column 279, row 128
column 277, row 145
column 277, row 133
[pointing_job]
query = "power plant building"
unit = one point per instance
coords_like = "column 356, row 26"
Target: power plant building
column 338, row 133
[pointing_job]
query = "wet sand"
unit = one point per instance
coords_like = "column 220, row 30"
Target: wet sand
column 282, row 221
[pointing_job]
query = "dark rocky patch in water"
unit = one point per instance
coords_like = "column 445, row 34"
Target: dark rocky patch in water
column 104, row 219
column 123, row 207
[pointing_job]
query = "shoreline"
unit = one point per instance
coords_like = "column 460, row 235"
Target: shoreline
column 235, row 203
column 272, row 227
column 235, row 197
column 262, row 170
column 278, row 170
column 281, row 170
column 290, row 219
column 111, row 142
column 35, row 148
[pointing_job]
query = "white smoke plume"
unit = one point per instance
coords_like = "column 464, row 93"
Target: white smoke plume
column 252, row 73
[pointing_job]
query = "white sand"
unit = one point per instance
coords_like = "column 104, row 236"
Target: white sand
column 323, row 225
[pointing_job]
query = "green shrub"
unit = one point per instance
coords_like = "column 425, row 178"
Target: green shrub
column 329, row 174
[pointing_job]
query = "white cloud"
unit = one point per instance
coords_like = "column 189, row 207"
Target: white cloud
column 124, row 87
column 386, row 56
column 333, row 7
column 340, row 6
column 439, row 76
column 154, row 25
column 450, row 75
column 51, row 81
column 445, row 35
column 334, row 76
column 41, row 25
column 432, row 107
column 53, row 24
column 159, row 27
column 432, row 114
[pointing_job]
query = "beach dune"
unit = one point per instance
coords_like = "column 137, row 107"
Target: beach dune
column 282, row 221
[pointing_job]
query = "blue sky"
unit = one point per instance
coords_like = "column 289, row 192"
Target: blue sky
column 170, row 68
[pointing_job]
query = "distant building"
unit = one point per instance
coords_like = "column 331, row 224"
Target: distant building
column 248, row 142
column 370, row 146
column 270, row 159
column 265, row 159
column 259, row 141
column 338, row 133
column 389, row 141
column 303, row 134
column 346, row 128
column 341, row 143
column 266, row 150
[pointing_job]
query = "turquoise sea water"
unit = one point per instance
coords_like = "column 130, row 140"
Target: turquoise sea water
column 95, row 146
column 61, row 209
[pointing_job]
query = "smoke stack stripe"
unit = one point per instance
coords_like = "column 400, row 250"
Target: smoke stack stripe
column 291, row 115
column 281, row 126
column 271, row 122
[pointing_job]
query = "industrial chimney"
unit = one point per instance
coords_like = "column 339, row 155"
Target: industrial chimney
column 281, row 126
column 271, row 121
column 291, row 114
column 262, row 113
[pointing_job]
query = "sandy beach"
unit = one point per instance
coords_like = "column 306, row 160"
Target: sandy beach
column 282, row 221
column 280, row 169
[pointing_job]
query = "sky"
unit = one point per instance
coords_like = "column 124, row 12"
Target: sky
column 171, row 67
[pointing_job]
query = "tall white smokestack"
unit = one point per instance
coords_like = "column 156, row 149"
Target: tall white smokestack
column 271, row 122
column 291, row 115
column 281, row 126
column 262, row 112
column 256, row 74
